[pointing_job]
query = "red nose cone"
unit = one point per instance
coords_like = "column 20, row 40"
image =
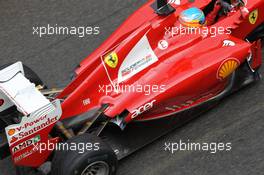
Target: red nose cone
column 2, row 102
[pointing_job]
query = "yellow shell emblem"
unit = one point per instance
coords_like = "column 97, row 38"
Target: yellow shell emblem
column 11, row 132
column 253, row 17
column 227, row 68
column 111, row 60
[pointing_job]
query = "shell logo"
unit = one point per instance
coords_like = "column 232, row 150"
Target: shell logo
column 11, row 132
column 227, row 68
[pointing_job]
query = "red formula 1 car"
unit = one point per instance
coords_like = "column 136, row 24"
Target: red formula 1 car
column 145, row 80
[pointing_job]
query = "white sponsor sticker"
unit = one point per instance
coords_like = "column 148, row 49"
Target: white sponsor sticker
column 163, row 45
column 138, row 59
column 86, row 102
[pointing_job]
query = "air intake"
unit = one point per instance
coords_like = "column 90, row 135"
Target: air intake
column 162, row 8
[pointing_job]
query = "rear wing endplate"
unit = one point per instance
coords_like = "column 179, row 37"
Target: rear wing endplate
column 16, row 89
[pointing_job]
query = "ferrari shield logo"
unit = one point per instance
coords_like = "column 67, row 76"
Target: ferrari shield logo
column 227, row 68
column 111, row 60
column 253, row 17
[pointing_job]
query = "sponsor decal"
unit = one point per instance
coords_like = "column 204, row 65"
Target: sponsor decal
column 26, row 144
column 25, row 154
column 163, row 45
column 188, row 103
column 227, row 68
column 136, row 65
column 34, row 123
column 253, row 17
column 5, row 102
column 111, row 60
column 228, row 43
column 86, row 101
column 138, row 59
column 142, row 109
column 33, row 127
column 2, row 101
column 180, row 106
column 13, row 140
column 11, row 132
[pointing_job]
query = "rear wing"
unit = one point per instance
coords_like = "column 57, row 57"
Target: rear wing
column 33, row 124
column 40, row 115
column 16, row 89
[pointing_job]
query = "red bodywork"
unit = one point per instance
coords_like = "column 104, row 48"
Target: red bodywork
column 188, row 69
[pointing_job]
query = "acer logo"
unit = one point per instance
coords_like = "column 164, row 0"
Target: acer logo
column 142, row 109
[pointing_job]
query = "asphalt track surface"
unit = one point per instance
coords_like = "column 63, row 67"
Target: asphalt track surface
column 239, row 119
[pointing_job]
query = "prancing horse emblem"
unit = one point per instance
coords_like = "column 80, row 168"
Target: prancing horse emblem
column 111, row 60
column 253, row 16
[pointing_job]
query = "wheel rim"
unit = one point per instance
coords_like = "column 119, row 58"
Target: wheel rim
column 96, row 168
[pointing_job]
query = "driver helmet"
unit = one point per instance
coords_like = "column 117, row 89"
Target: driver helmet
column 192, row 17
